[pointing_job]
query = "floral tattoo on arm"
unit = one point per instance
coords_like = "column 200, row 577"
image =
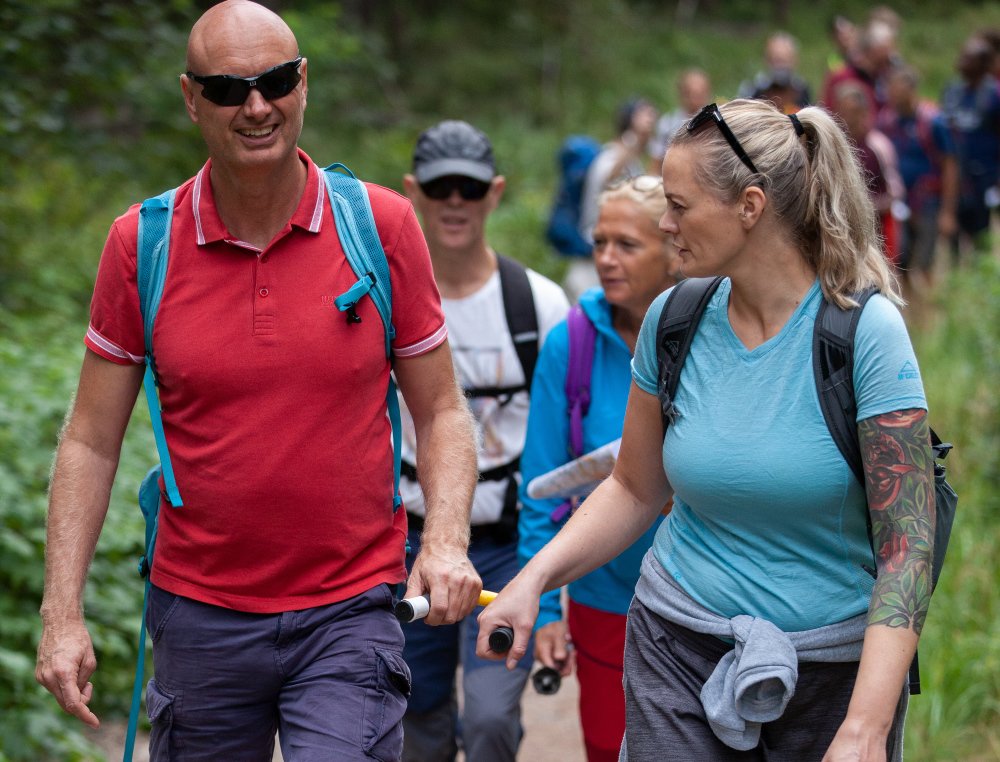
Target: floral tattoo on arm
column 899, row 475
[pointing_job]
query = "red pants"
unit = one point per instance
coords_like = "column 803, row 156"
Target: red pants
column 599, row 640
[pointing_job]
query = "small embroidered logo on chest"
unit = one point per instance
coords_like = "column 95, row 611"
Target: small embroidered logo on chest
column 327, row 300
column 908, row 371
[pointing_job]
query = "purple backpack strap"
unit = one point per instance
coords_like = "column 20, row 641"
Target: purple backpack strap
column 582, row 337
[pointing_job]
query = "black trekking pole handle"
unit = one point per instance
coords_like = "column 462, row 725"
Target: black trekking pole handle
column 501, row 640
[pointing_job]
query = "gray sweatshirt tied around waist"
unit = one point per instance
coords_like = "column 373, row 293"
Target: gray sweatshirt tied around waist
column 754, row 682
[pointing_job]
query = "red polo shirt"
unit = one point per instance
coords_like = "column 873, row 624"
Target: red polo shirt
column 273, row 405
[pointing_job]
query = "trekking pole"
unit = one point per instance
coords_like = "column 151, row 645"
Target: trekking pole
column 546, row 681
column 411, row 609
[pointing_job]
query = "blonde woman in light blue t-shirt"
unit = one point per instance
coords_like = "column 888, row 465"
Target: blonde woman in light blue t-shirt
column 756, row 632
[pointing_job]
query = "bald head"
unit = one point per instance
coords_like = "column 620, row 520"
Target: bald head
column 236, row 36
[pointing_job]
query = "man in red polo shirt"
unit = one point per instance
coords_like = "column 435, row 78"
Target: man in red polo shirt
column 270, row 606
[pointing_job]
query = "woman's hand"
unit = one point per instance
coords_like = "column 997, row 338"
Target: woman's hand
column 857, row 741
column 553, row 647
column 516, row 607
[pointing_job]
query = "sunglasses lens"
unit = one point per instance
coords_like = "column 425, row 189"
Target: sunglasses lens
column 468, row 188
column 225, row 91
column 279, row 83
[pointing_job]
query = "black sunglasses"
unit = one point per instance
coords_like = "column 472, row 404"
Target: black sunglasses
column 468, row 188
column 229, row 90
column 711, row 113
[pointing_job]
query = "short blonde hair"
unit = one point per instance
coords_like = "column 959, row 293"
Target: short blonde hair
column 646, row 191
column 814, row 185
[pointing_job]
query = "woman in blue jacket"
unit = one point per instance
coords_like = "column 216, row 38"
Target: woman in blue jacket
column 634, row 264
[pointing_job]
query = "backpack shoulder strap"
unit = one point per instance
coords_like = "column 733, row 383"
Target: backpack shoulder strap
column 152, row 256
column 582, row 337
column 519, row 308
column 675, row 331
column 833, row 367
column 152, row 253
column 352, row 213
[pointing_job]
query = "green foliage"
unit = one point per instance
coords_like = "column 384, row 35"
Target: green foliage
column 959, row 710
column 41, row 358
column 80, row 70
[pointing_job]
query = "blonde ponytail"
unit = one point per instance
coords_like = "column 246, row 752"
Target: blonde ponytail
column 814, row 184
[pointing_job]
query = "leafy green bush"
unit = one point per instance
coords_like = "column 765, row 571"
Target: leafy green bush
column 41, row 358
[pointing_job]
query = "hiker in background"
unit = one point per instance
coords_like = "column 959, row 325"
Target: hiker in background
column 767, row 538
column 878, row 162
column 272, row 587
column 843, row 34
column 625, row 156
column 869, row 61
column 992, row 37
column 970, row 106
column 497, row 314
column 694, row 90
column 779, row 82
column 929, row 170
column 576, row 409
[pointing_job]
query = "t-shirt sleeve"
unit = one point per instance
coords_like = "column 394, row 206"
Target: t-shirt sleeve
column 416, row 304
column 886, row 374
column 645, row 370
column 115, row 330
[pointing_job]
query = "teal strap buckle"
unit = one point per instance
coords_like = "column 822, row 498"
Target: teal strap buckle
column 347, row 301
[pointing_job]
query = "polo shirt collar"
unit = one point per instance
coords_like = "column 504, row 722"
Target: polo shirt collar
column 209, row 226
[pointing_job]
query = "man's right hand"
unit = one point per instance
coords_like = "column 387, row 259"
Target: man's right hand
column 65, row 663
column 553, row 649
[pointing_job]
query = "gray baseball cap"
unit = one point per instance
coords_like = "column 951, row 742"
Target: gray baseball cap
column 453, row 147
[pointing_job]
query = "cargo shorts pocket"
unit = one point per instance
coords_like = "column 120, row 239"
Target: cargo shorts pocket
column 160, row 708
column 385, row 704
column 160, row 607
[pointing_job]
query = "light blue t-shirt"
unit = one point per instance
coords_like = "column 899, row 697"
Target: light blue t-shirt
column 768, row 518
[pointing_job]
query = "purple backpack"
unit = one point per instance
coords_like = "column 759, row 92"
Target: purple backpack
column 582, row 336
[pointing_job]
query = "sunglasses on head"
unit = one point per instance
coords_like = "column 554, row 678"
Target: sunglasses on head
column 468, row 188
column 640, row 183
column 229, row 90
column 711, row 113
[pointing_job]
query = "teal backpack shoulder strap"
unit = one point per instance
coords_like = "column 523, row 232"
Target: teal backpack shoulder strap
column 352, row 212
column 151, row 268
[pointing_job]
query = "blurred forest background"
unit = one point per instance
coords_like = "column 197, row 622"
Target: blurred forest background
column 91, row 120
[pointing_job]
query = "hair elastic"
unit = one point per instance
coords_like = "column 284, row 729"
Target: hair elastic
column 799, row 129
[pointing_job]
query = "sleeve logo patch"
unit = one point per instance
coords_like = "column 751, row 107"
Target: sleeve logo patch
column 908, row 371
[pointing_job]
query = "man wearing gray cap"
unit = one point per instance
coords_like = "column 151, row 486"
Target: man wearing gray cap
column 497, row 313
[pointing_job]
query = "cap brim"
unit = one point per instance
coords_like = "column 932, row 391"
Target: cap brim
column 432, row 170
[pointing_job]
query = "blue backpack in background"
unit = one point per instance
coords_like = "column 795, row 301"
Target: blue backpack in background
column 563, row 229
column 358, row 235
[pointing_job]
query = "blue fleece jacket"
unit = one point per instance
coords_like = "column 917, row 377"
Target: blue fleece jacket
column 609, row 588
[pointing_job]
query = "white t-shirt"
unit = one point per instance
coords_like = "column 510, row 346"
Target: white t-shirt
column 484, row 356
